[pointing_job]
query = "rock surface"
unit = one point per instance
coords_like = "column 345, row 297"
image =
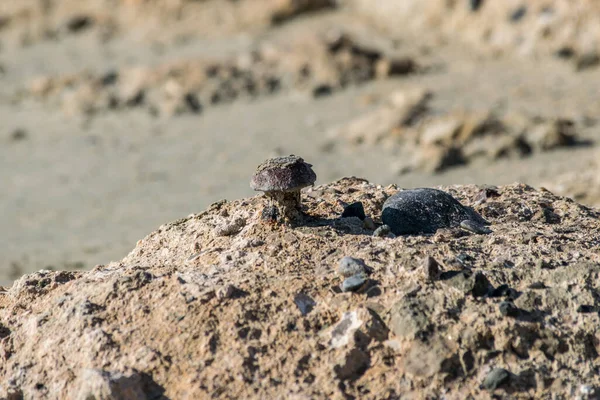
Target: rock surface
column 258, row 313
column 433, row 140
column 425, row 210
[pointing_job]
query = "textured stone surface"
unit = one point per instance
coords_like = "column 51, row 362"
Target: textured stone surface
column 424, row 210
column 259, row 314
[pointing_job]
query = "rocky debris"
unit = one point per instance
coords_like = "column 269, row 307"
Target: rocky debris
column 305, row 303
column 350, row 266
column 496, row 378
column 435, row 140
column 230, row 227
column 475, row 227
column 431, row 269
column 189, row 86
column 383, row 231
column 532, row 28
column 582, row 185
column 354, row 283
column 587, row 60
column 158, row 22
column 418, row 211
column 159, row 324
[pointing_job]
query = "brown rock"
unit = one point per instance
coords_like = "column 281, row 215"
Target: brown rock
column 155, row 324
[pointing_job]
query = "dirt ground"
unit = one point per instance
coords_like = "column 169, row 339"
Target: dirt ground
column 121, row 115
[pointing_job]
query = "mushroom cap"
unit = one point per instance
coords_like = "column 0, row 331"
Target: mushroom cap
column 283, row 174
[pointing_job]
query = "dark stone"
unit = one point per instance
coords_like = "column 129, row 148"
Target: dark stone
column 109, row 78
column 565, row 53
column 322, row 90
column 586, row 309
column 270, row 214
column 432, row 269
column 304, row 303
column 79, row 23
column 518, row 14
column 18, row 135
column 496, row 378
column 504, row 291
column 508, row 309
column 425, row 210
column 475, row 227
column 354, row 210
column 474, row 5
column 354, row 283
column 382, row 231
column 587, row 60
column 192, row 102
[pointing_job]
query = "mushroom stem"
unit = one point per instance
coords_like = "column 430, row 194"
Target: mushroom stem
column 288, row 203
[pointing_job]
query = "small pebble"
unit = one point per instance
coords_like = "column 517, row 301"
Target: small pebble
column 354, row 210
column 382, row 231
column 431, row 269
column 226, row 292
column 354, row 283
column 475, row 227
column 586, row 309
column 587, row 60
column 230, row 228
column 304, row 303
column 518, row 14
column 18, row 135
column 496, row 378
column 79, row 23
column 350, row 266
column 474, row 5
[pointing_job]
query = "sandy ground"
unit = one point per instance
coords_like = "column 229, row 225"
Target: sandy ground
column 79, row 190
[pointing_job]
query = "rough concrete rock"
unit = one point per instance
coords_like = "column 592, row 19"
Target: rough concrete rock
column 154, row 324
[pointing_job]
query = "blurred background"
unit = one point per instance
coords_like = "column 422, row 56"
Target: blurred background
column 121, row 115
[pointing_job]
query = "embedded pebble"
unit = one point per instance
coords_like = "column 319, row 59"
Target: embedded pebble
column 425, row 210
column 474, row 227
column 350, row 266
column 431, row 269
column 354, row 283
column 354, row 210
column 304, row 303
column 226, row 292
column 382, row 231
column 496, row 378
column 230, row 227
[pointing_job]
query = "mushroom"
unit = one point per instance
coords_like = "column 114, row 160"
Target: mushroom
column 281, row 179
